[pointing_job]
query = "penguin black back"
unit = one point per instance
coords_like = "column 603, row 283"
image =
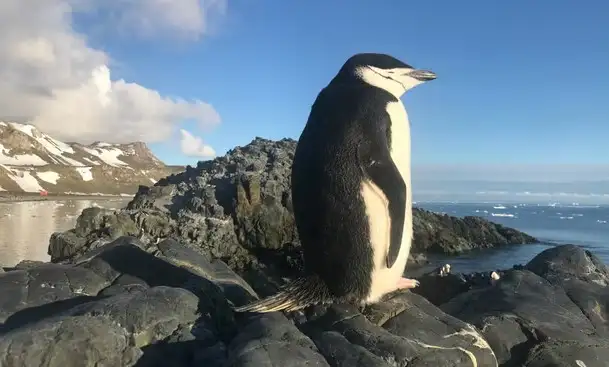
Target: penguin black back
column 326, row 184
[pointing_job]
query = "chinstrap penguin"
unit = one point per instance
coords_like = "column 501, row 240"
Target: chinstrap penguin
column 351, row 188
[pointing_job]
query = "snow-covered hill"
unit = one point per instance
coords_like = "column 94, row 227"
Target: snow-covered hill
column 32, row 161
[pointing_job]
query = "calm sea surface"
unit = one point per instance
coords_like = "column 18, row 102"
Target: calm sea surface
column 586, row 226
column 25, row 228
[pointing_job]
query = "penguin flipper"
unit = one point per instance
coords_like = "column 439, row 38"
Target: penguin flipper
column 376, row 163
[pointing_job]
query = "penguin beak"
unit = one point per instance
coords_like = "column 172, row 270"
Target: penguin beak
column 422, row 75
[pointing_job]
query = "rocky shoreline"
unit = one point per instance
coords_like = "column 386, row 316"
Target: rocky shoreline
column 127, row 303
column 154, row 284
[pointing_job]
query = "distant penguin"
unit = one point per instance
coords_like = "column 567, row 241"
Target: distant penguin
column 444, row 270
column 351, row 188
column 494, row 278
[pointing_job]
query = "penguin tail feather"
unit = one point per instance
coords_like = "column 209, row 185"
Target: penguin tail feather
column 295, row 295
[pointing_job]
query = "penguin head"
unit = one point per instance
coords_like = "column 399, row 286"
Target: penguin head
column 385, row 72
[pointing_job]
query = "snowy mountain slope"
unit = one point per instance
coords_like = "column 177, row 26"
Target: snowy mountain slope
column 32, row 161
column 24, row 145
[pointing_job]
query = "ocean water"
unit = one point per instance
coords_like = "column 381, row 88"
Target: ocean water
column 26, row 226
column 583, row 225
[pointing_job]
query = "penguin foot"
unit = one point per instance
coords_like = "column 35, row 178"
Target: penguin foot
column 405, row 283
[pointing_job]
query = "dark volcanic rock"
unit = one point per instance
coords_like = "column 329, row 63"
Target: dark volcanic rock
column 442, row 233
column 584, row 278
column 440, row 288
column 268, row 339
column 404, row 330
column 552, row 312
column 74, row 341
column 127, row 303
column 119, row 305
column 238, row 208
column 130, row 304
column 51, row 285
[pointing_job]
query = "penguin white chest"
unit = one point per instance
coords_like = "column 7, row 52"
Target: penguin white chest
column 384, row 279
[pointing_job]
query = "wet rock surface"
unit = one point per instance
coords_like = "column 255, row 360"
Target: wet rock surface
column 238, row 208
column 127, row 303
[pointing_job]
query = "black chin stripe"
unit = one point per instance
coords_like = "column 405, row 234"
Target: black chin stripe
column 386, row 77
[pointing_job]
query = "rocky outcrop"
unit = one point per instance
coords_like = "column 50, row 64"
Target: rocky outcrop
column 128, row 303
column 441, row 233
column 237, row 208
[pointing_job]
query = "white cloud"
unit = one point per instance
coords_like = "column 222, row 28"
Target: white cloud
column 52, row 78
column 186, row 18
column 193, row 146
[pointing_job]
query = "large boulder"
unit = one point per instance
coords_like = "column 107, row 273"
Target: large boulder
column 238, row 208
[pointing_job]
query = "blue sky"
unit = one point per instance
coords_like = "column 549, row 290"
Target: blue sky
column 519, row 83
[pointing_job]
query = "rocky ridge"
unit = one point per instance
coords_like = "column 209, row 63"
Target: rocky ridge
column 237, row 208
column 32, row 161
